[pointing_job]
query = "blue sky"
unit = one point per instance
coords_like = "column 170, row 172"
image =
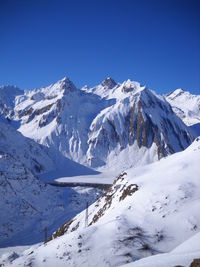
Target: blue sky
column 156, row 42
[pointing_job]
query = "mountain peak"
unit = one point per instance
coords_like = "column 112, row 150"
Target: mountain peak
column 65, row 79
column 176, row 93
column 109, row 82
column 129, row 86
column 67, row 84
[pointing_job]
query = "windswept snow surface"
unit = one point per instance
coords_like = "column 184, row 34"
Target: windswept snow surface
column 183, row 255
column 148, row 210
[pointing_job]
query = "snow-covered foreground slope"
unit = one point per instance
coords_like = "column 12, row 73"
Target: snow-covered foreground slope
column 184, row 255
column 185, row 105
column 148, row 210
column 26, row 203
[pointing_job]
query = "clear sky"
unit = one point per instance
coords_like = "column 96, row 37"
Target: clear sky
column 155, row 42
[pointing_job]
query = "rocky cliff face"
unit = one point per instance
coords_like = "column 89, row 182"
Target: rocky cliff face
column 140, row 121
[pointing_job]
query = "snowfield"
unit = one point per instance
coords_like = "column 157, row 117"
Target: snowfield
column 148, row 210
column 182, row 255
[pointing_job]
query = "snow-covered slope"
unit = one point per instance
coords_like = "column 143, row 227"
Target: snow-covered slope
column 104, row 125
column 148, row 210
column 185, row 105
column 27, row 204
column 32, row 155
column 187, row 254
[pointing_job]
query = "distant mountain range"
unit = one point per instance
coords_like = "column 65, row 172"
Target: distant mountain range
column 103, row 125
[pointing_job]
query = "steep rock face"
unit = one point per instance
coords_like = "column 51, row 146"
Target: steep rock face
column 109, row 83
column 140, row 121
column 185, row 105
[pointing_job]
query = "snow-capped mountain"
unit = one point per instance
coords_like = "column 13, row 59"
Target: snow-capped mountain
column 28, row 205
column 59, row 117
column 105, row 89
column 140, row 127
column 103, row 125
column 137, row 217
column 185, row 105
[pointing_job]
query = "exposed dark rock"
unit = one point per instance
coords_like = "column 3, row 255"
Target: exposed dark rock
column 109, row 82
column 132, row 188
column 140, row 125
column 63, row 229
column 131, row 126
column 26, row 112
column 195, row 263
column 39, row 112
column 108, row 199
column 120, row 177
column 75, row 227
column 110, row 194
